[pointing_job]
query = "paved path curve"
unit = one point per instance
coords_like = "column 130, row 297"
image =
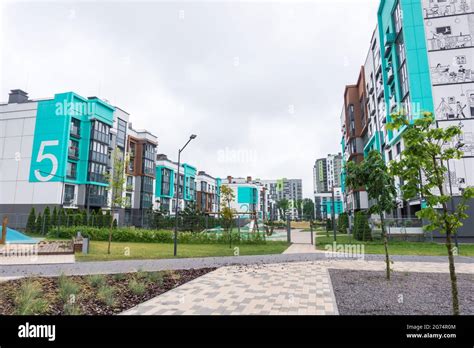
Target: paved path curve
column 302, row 288
column 124, row 266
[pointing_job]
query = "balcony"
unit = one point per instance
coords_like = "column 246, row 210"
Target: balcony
column 73, row 152
column 96, row 177
column 75, row 131
column 102, row 137
column 71, row 175
column 97, row 201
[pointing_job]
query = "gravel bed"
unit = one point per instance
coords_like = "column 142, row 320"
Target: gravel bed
column 369, row 293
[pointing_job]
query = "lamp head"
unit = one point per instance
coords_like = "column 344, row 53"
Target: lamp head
column 193, row 136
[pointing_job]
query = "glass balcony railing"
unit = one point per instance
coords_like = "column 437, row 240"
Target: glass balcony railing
column 75, row 131
column 73, row 152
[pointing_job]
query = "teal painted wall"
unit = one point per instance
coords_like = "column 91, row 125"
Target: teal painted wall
column 52, row 132
column 189, row 173
column 247, row 195
column 158, row 182
column 416, row 58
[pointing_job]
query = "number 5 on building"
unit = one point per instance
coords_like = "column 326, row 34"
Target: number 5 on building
column 48, row 156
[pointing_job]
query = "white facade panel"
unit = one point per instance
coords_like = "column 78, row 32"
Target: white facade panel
column 12, row 146
column 14, row 127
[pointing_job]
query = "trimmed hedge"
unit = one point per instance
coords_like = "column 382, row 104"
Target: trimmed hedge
column 156, row 236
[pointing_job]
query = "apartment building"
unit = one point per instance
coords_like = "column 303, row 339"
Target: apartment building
column 290, row 189
column 250, row 197
column 165, row 185
column 140, row 171
column 60, row 151
column 327, row 174
column 449, row 34
column 354, row 127
column 421, row 59
column 54, row 152
column 208, row 193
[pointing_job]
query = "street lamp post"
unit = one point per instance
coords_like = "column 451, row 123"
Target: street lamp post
column 193, row 136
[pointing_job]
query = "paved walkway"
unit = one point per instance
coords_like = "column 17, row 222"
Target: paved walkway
column 301, row 243
column 277, row 289
column 124, row 266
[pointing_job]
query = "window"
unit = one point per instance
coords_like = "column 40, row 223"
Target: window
column 69, row 191
column 148, row 167
column 121, row 132
column 75, row 127
column 73, row 150
column 399, row 148
column 352, row 119
column 71, row 170
column 390, row 156
column 397, row 18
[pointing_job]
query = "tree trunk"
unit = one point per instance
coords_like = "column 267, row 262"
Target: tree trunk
column 449, row 244
column 385, row 244
column 452, row 274
column 110, row 233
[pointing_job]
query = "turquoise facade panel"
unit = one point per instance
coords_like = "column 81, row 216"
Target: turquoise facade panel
column 50, row 144
column 247, row 195
column 419, row 83
column 53, row 135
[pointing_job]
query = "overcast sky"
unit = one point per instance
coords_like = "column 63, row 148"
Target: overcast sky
column 261, row 83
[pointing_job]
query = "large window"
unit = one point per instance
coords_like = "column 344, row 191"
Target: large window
column 69, row 192
column 147, row 184
column 75, row 127
column 352, row 119
column 97, row 172
column 165, row 181
column 397, row 18
column 71, row 171
column 149, row 151
column 121, row 132
column 148, row 166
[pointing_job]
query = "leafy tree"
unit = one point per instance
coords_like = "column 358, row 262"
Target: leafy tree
column 47, row 220
column 227, row 213
column 117, row 180
column 373, row 174
column 84, row 221
column 39, row 224
column 93, row 219
column 299, row 207
column 283, row 205
column 100, row 218
column 308, row 209
column 77, row 219
column 362, row 230
column 54, row 218
column 343, row 223
column 427, row 150
column 62, row 218
column 31, row 223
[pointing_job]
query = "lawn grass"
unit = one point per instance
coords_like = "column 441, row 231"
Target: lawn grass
column 397, row 247
column 142, row 251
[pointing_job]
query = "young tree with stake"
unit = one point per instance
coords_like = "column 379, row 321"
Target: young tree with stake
column 373, row 174
column 427, row 150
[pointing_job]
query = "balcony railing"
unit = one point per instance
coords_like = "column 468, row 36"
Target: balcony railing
column 96, row 200
column 73, row 152
column 75, row 131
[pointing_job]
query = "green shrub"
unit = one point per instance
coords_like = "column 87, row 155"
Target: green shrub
column 362, row 231
column 71, row 309
column 47, row 220
column 31, row 223
column 155, row 277
column 118, row 276
column 67, row 288
column 28, row 301
column 126, row 234
column 106, row 294
column 136, row 287
column 343, row 223
column 96, row 280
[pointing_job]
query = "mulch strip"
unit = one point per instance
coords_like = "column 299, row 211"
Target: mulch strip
column 87, row 300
